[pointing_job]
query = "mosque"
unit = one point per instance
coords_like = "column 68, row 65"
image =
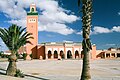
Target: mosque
column 51, row 50
column 58, row 50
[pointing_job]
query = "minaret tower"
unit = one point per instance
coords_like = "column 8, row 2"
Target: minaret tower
column 32, row 27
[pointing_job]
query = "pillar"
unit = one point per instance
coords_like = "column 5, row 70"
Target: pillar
column 59, row 57
column 73, row 53
column 65, row 54
column 73, row 56
column 115, row 55
column 46, row 56
column 105, row 55
column 110, row 55
column 52, row 57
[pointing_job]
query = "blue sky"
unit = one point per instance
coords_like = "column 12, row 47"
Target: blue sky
column 60, row 21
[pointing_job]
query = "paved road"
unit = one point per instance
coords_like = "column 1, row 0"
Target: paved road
column 64, row 69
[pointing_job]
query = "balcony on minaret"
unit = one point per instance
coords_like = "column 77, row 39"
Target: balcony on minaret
column 32, row 10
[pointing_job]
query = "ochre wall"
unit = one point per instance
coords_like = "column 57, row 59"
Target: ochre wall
column 93, row 56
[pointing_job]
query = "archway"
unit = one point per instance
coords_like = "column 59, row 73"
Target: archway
column 49, row 54
column 118, row 55
column 62, row 54
column 107, row 55
column 55, row 54
column 76, row 54
column 69, row 54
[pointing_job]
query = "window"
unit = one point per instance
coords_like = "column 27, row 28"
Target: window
column 32, row 10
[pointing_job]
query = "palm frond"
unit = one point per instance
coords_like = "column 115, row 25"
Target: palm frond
column 14, row 37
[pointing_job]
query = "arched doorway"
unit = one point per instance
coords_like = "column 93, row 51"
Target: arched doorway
column 62, row 54
column 55, row 54
column 49, row 54
column 69, row 54
column 76, row 54
column 118, row 55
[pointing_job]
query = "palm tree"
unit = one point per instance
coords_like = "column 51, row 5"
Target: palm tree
column 86, row 44
column 14, row 37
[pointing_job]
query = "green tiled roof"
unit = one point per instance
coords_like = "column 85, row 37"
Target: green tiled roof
column 32, row 13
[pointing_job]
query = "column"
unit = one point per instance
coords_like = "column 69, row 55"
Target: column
column 65, row 53
column 73, row 53
column 110, row 55
column 115, row 55
column 52, row 57
column 46, row 56
column 46, row 53
column 105, row 55
column 79, row 55
column 73, row 56
column 59, row 57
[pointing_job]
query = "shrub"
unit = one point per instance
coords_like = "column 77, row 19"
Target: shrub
column 19, row 73
column 24, row 56
column 17, row 55
column 0, row 53
column 31, row 56
column 2, row 56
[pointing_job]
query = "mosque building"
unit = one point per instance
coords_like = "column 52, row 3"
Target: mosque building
column 58, row 50
column 51, row 50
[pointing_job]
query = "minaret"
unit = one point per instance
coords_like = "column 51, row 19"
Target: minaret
column 32, row 27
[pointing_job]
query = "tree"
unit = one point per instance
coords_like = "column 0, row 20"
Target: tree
column 14, row 37
column 86, row 44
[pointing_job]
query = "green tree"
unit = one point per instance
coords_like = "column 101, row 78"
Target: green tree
column 86, row 44
column 14, row 37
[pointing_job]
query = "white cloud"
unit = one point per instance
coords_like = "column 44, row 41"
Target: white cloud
column 116, row 28
column 11, row 10
column 110, row 44
column 49, row 35
column 2, row 46
column 79, row 33
column 97, row 30
column 20, row 22
column 60, row 17
column 118, row 13
column 57, row 28
column 53, row 18
column 101, row 30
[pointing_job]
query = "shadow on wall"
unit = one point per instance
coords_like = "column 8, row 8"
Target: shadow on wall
column 41, row 52
column 34, row 52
